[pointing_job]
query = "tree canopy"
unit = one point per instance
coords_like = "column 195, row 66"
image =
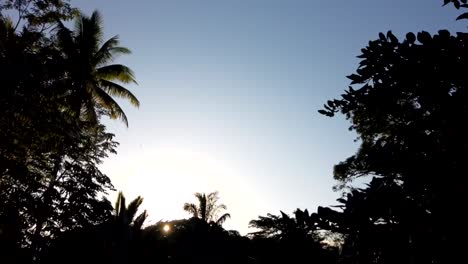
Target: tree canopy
column 408, row 104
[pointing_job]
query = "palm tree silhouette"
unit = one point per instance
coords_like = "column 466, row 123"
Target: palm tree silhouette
column 126, row 215
column 91, row 76
column 208, row 208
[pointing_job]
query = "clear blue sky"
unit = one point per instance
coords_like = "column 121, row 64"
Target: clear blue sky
column 229, row 95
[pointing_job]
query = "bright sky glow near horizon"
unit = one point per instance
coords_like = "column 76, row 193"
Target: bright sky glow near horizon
column 229, row 94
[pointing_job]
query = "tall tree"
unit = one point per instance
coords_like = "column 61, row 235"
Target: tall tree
column 49, row 176
column 408, row 104
column 91, row 75
column 208, row 208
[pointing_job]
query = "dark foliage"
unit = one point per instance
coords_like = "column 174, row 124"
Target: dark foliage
column 49, row 156
column 39, row 15
column 289, row 239
column 408, row 104
column 380, row 224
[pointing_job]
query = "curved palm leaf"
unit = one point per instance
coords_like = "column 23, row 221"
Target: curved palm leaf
column 119, row 91
column 223, row 219
column 116, row 72
column 132, row 207
column 120, row 210
column 138, row 222
column 108, row 51
column 110, row 104
column 192, row 209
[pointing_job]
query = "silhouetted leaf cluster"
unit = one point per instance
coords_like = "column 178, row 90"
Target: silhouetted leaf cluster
column 38, row 15
column 459, row 4
column 289, row 239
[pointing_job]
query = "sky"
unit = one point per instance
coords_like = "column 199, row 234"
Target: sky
column 229, row 93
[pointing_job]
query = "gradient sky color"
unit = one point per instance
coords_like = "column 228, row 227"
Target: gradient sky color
column 229, row 95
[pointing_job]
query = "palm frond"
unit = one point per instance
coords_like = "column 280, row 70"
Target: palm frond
column 203, row 207
column 107, row 102
column 78, row 25
column 223, row 219
column 116, row 72
column 133, row 206
column 115, row 89
column 118, row 202
column 198, row 195
column 121, row 209
column 103, row 55
column 88, row 34
column 120, row 50
column 139, row 221
column 192, row 209
column 95, row 23
column 108, row 51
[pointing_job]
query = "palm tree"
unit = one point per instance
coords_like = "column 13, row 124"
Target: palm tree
column 127, row 227
column 125, row 215
column 91, row 75
column 207, row 209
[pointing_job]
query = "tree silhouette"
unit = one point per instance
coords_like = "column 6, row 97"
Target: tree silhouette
column 380, row 223
column 50, row 181
column 91, row 76
column 207, row 209
column 301, row 226
column 126, row 227
column 289, row 239
column 407, row 102
column 126, row 215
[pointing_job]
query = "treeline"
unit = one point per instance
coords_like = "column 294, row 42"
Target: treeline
column 199, row 239
column 407, row 102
